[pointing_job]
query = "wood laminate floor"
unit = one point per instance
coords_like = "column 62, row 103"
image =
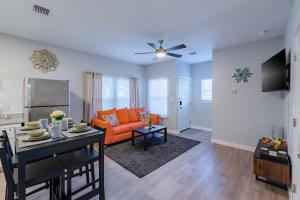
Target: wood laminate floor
column 205, row 172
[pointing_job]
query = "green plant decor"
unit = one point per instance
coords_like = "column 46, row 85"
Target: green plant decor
column 242, row 74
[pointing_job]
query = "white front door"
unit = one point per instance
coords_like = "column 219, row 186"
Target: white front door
column 184, row 103
column 295, row 93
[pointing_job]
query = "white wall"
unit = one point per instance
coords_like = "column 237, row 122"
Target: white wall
column 201, row 111
column 292, row 28
column 244, row 117
column 15, row 66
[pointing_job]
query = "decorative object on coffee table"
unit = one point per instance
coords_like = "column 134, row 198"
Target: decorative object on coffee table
column 150, row 120
column 146, row 131
column 44, row 60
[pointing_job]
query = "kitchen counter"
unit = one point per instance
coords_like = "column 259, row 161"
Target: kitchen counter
column 9, row 119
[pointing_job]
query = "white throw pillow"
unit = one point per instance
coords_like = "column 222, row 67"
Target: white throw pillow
column 111, row 118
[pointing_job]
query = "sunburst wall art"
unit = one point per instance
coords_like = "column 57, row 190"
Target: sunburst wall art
column 44, row 60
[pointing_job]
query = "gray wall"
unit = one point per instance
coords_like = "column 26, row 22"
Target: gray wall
column 183, row 69
column 201, row 111
column 244, row 117
column 15, row 66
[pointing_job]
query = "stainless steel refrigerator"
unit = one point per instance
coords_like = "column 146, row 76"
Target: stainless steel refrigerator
column 43, row 96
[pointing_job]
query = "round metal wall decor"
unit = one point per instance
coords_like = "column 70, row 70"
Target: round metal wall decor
column 44, row 60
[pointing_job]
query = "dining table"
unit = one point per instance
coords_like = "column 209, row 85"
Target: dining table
column 52, row 147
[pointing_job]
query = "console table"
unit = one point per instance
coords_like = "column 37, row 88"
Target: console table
column 271, row 169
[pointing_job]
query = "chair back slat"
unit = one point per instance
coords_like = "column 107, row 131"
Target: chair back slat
column 8, row 146
column 6, row 164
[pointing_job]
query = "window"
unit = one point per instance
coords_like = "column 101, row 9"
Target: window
column 158, row 96
column 115, row 92
column 206, row 90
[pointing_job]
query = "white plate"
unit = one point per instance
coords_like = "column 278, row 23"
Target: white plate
column 72, row 130
column 45, row 136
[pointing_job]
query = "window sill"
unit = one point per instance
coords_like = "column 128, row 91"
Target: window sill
column 206, row 101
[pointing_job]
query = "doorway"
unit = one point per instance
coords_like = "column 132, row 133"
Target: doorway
column 184, row 103
column 295, row 114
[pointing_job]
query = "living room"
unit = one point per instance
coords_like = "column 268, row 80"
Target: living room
column 150, row 69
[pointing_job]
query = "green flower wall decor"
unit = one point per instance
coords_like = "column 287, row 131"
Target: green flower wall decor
column 242, row 74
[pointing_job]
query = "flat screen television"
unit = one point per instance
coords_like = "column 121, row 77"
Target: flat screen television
column 275, row 73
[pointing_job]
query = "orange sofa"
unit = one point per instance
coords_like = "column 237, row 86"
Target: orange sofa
column 128, row 119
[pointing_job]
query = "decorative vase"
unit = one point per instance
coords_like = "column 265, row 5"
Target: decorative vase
column 56, row 121
column 150, row 124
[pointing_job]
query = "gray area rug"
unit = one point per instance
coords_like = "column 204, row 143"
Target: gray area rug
column 140, row 162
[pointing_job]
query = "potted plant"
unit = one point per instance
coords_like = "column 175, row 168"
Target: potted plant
column 57, row 116
column 150, row 120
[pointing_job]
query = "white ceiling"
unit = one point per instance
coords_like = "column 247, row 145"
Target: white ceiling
column 118, row 28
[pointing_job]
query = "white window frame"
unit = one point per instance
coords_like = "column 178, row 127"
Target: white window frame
column 204, row 99
column 148, row 96
column 115, row 90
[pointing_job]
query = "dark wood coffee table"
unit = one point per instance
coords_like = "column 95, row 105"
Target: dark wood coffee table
column 146, row 131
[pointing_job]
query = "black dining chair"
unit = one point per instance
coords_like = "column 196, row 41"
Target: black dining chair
column 47, row 170
column 79, row 159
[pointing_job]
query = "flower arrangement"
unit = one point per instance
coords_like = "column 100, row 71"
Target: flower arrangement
column 58, row 115
column 150, row 118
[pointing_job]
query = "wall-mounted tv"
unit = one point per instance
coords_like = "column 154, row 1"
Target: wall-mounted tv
column 276, row 73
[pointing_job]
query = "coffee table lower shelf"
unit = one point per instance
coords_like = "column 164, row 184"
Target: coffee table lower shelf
column 153, row 132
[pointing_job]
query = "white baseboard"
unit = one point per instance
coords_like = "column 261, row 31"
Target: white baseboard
column 234, row 145
column 201, row 128
column 173, row 131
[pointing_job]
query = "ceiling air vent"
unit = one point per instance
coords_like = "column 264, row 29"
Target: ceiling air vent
column 41, row 10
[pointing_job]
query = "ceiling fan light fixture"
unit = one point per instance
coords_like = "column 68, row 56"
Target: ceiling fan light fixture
column 161, row 54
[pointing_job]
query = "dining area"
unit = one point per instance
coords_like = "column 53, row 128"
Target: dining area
column 49, row 156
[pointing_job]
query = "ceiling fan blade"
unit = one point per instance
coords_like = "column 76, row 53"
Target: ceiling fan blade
column 152, row 45
column 182, row 46
column 174, row 55
column 145, row 53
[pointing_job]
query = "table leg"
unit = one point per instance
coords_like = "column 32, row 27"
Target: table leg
column 166, row 132
column 21, row 179
column 145, row 142
column 101, row 168
column 132, row 139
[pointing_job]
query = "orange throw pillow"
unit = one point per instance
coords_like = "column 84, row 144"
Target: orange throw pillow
column 132, row 115
column 105, row 112
column 123, row 116
column 138, row 112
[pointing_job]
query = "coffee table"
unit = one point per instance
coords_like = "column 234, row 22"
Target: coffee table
column 147, row 131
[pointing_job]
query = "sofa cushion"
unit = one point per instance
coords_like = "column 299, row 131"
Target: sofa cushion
column 105, row 112
column 132, row 115
column 121, row 129
column 123, row 116
column 138, row 125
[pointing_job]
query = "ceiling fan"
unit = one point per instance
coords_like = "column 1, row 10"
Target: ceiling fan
column 161, row 52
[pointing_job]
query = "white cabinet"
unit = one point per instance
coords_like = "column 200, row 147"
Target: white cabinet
column 10, row 129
